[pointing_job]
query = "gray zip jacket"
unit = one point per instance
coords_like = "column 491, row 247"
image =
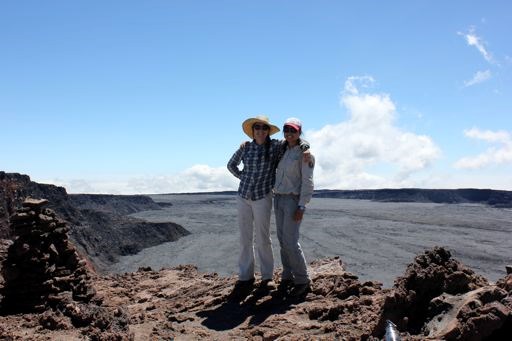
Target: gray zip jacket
column 294, row 176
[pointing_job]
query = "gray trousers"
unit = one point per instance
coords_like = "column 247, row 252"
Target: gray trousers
column 292, row 257
column 254, row 220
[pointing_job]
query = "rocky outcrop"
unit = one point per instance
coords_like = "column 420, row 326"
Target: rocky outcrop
column 98, row 224
column 451, row 303
column 44, row 274
column 7, row 206
column 433, row 273
column 42, row 263
column 475, row 315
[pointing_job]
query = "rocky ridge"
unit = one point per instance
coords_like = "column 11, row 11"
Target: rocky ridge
column 491, row 197
column 495, row 198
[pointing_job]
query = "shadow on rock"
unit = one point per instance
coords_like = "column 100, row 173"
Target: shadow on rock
column 256, row 305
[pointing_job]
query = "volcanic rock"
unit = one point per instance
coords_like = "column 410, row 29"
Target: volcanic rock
column 475, row 315
column 43, row 273
column 430, row 275
column 182, row 303
column 48, row 292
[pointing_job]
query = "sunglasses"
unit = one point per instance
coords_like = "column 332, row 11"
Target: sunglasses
column 287, row 129
column 260, row 127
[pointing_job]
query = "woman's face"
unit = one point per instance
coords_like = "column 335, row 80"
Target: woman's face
column 260, row 131
column 291, row 134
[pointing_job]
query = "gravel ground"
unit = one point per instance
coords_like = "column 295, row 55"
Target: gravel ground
column 375, row 240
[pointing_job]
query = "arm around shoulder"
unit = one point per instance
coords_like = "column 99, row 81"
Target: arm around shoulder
column 304, row 145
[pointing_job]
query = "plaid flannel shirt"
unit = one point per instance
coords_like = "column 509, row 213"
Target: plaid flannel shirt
column 258, row 174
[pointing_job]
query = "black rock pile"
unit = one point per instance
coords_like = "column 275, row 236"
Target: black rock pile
column 42, row 268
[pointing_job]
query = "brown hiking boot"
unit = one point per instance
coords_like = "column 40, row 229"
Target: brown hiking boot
column 241, row 289
column 244, row 284
column 265, row 286
column 300, row 290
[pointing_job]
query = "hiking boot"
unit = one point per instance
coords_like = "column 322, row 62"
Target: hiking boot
column 300, row 290
column 241, row 289
column 266, row 284
column 244, row 284
column 285, row 284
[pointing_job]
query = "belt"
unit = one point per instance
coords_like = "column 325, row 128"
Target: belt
column 287, row 195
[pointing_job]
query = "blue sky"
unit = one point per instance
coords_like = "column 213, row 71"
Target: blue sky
column 149, row 96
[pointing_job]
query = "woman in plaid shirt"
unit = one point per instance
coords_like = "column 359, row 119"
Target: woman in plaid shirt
column 254, row 201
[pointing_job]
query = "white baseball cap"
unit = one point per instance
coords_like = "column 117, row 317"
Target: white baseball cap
column 293, row 122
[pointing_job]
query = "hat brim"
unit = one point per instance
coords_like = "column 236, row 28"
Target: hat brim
column 294, row 126
column 247, row 127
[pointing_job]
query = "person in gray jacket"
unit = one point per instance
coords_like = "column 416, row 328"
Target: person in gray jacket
column 293, row 190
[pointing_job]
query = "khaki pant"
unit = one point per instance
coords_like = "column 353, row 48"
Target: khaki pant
column 292, row 257
column 254, row 220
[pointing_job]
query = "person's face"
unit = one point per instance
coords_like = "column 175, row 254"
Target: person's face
column 291, row 134
column 260, row 131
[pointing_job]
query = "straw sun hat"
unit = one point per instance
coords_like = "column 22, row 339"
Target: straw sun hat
column 247, row 125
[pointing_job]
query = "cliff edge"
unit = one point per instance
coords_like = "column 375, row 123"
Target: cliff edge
column 99, row 224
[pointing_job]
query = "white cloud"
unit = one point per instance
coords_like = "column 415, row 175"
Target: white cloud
column 479, row 77
column 493, row 155
column 367, row 150
column 347, row 152
column 362, row 82
column 488, row 135
column 198, row 178
column 473, row 40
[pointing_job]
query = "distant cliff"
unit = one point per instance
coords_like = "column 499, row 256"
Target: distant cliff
column 449, row 196
column 99, row 223
column 490, row 197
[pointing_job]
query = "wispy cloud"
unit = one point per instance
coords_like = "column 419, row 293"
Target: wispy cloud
column 473, row 40
column 479, row 77
column 348, row 153
column 494, row 155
